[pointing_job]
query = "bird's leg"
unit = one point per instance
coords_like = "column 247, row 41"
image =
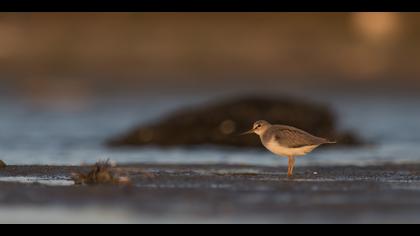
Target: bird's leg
column 291, row 166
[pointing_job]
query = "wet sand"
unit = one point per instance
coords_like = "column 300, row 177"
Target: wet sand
column 216, row 194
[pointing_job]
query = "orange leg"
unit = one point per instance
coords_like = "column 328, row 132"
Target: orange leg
column 291, row 166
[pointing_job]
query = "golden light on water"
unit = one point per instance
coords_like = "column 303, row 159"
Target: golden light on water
column 126, row 53
column 377, row 34
column 9, row 40
column 377, row 26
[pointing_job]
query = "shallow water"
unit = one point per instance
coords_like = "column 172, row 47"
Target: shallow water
column 107, row 215
column 67, row 215
column 47, row 180
column 34, row 134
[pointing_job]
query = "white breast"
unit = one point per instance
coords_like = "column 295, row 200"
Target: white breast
column 285, row 151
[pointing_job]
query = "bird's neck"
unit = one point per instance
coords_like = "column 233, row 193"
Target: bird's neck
column 262, row 131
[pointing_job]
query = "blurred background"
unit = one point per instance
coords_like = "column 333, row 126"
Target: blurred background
column 84, row 54
column 68, row 81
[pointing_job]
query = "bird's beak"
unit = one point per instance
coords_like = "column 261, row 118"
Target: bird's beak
column 248, row 132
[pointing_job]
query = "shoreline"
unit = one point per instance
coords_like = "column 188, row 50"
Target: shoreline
column 224, row 193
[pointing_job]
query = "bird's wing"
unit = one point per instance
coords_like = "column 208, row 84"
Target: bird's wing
column 294, row 138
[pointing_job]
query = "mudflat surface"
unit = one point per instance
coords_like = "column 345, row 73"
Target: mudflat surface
column 219, row 194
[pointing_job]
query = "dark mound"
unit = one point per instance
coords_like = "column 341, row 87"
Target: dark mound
column 2, row 164
column 219, row 123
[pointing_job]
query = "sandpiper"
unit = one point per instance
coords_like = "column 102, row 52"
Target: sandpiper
column 286, row 141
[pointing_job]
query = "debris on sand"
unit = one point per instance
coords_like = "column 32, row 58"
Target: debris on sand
column 218, row 123
column 2, row 164
column 101, row 173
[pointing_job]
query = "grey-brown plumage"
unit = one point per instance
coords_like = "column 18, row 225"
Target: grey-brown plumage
column 291, row 137
column 286, row 141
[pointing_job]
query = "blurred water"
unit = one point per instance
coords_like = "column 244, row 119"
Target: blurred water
column 41, row 135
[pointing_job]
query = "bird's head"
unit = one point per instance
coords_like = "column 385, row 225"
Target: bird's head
column 259, row 127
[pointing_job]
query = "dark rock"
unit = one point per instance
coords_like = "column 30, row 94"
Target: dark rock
column 2, row 164
column 220, row 123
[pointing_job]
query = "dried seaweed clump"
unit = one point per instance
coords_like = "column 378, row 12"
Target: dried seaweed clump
column 101, row 173
column 2, row 164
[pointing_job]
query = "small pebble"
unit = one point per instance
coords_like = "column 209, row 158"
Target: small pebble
column 315, row 173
